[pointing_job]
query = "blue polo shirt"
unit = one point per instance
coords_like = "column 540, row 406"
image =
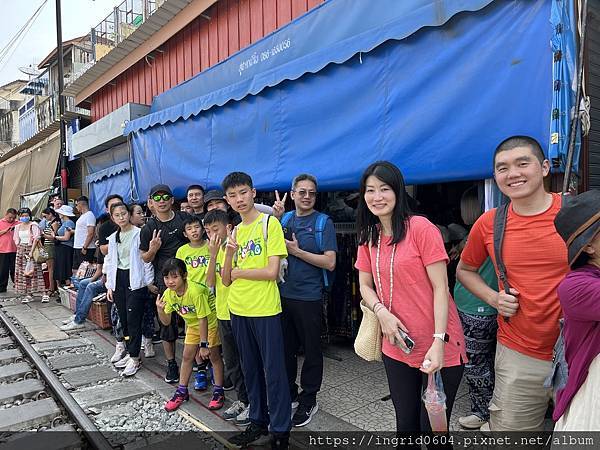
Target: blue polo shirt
column 303, row 280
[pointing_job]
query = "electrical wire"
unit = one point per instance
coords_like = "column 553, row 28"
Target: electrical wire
column 9, row 49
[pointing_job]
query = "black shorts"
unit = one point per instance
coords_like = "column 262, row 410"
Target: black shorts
column 79, row 257
column 170, row 332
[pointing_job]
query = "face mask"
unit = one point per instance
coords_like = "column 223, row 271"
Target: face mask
column 24, row 219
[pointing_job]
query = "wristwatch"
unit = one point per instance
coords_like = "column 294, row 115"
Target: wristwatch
column 204, row 344
column 444, row 337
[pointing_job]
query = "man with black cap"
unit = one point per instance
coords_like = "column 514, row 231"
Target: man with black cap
column 159, row 240
column 578, row 223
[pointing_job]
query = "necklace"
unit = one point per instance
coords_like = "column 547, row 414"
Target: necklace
column 391, row 271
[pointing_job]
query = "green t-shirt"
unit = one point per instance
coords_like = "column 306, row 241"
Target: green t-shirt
column 196, row 261
column 194, row 304
column 467, row 302
column 124, row 249
column 256, row 298
column 222, row 291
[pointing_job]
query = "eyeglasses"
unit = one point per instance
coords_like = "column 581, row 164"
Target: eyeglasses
column 159, row 197
column 305, row 193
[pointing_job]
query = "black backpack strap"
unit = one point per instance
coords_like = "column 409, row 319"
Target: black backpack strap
column 499, row 229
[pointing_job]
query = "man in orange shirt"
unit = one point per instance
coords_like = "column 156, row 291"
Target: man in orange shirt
column 536, row 262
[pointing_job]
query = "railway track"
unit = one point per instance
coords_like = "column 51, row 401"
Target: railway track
column 33, row 397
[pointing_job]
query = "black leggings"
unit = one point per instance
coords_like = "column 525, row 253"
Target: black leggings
column 406, row 387
column 130, row 306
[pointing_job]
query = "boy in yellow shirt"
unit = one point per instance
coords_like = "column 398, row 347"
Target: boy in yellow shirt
column 190, row 301
column 251, row 268
column 196, row 256
column 217, row 226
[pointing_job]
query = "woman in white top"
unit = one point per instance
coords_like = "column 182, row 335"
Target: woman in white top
column 127, row 278
column 26, row 235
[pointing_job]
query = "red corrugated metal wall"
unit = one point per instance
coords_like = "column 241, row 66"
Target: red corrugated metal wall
column 234, row 24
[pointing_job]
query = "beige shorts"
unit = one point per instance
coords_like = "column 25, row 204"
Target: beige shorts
column 520, row 399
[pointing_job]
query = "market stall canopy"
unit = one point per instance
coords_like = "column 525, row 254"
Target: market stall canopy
column 433, row 86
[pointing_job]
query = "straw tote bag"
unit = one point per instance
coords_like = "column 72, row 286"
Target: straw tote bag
column 367, row 344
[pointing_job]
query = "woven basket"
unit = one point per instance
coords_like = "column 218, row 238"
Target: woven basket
column 367, row 344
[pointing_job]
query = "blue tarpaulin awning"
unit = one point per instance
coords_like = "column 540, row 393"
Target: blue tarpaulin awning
column 422, row 84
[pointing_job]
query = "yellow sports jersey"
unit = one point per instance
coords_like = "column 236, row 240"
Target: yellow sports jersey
column 253, row 298
column 194, row 304
column 222, row 291
column 196, row 261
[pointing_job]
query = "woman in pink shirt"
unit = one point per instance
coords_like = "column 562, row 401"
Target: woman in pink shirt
column 27, row 234
column 402, row 274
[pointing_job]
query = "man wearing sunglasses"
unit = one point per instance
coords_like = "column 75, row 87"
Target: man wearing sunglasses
column 312, row 255
column 159, row 240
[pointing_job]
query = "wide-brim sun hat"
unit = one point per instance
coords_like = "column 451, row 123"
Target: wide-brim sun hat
column 66, row 210
column 578, row 221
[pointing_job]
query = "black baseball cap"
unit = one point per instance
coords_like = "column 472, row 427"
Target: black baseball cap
column 160, row 188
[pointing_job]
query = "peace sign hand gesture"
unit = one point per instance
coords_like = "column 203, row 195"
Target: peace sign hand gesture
column 156, row 241
column 232, row 245
column 279, row 205
column 160, row 303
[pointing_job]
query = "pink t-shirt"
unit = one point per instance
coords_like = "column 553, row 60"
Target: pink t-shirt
column 412, row 300
column 7, row 243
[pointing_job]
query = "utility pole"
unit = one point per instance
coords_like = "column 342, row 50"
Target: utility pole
column 61, row 105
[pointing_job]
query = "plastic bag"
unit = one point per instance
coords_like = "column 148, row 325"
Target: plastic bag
column 29, row 268
column 435, row 403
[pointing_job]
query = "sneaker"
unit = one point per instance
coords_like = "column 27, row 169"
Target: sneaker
column 45, row 299
column 69, row 320
column 234, row 410
column 243, row 418
column 72, row 326
column 471, row 422
column 304, row 414
column 122, row 363
column 252, row 434
column 132, row 367
column 120, row 352
column 176, row 401
column 27, row 299
column 201, row 383
column 156, row 338
column 172, row 375
column 149, row 351
column 217, row 401
column 280, row 443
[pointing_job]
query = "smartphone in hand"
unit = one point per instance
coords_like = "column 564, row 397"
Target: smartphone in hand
column 408, row 342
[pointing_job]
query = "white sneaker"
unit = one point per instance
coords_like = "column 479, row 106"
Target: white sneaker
column 122, row 363
column 72, row 326
column 244, row 417
column 27, row 299
column 120, row 352
column 149, row 351
column 45, row 298
column 133, row 365
column 471, row 422
column 234, row 410
column 69, row 320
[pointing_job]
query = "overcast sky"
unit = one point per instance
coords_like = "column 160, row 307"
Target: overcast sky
column 78, row 17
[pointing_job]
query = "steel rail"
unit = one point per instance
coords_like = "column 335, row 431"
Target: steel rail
column 94, row 436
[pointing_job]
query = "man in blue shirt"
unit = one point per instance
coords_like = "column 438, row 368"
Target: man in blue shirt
column 311, row 244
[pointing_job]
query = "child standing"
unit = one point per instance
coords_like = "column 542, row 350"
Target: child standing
column 216, row 224
column 196, row 256
column 190, row 301
column 257, row 246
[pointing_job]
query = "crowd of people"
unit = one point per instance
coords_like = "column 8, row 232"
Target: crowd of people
column 248, row 281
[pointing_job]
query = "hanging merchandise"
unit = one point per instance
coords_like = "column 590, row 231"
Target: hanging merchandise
column 345, row 298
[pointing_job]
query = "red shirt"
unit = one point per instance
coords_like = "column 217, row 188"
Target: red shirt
column 7, row 243
column 412, row 299
column 536, row 261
